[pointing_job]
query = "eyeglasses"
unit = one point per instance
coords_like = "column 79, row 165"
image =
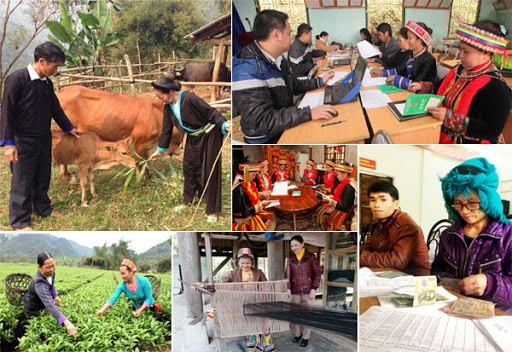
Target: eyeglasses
column 469, row 206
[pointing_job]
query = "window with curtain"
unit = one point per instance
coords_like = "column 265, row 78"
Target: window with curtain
column 462, row 11
column 378, row 11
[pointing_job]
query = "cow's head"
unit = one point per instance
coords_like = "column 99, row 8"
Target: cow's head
column 176, row 73
column 116, row 153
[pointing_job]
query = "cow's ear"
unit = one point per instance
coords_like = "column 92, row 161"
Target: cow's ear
column 108, row 148
column 130, row 142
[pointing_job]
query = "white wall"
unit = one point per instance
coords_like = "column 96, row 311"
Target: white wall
column 245, row 9
column 438, row 20
column 343, row 25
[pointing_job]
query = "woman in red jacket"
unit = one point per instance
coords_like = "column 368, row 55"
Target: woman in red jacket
column 304, row 273
column 310, row 173
column 329, row 176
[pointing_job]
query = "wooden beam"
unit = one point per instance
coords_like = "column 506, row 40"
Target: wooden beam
column 216, row 69
column 275, row 260
column 215, row 41
column 188, row 249
column 209, row 260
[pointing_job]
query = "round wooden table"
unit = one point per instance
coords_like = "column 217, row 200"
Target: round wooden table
column 301, row 206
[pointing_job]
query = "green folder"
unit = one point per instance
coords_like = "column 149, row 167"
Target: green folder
column 388, row 88
column 418, row 103
column 296, row 193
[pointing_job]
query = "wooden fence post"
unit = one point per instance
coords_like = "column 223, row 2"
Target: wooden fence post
column 130, row 72
column 216, row 69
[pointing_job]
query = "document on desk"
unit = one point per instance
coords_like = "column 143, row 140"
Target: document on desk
column 369, row 81
column 374, row 99
column 367, row 50
column 280, row 189
column 338, row 76
column 273, row 203
column 498, row 329
column 312, row 100
column 393, row 330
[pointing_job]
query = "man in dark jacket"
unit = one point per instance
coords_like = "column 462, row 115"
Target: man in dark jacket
column 263, row 84
column 389, row 48
column 396, row 241
column 301, row 53
column 28, row 106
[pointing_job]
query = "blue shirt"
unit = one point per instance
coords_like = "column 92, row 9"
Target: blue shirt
column 143, row 293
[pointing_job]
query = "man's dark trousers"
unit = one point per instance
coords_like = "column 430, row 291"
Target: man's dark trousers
column 30, row 179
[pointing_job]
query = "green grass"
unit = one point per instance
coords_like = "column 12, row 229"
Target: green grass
column 145, row 208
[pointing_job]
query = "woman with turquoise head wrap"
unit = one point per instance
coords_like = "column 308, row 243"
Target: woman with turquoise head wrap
column 477, row 248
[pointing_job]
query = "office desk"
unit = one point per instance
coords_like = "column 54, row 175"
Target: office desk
column 293, row 207
column 353, row 131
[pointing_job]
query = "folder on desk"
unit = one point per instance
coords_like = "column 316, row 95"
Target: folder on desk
column 414, row 106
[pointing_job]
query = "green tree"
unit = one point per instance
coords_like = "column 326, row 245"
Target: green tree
column 164, row 265
column 85, row 41
column 15, row 38
column 156, row 26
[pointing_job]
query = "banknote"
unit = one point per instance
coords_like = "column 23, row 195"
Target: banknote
column 470, row 308
column 425, row 290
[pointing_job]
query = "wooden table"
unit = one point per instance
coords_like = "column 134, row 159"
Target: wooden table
column 292, row 207
column 353, row 131
column 366, row 302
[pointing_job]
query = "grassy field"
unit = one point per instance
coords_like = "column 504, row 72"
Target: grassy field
column 83, row 291
column 145, row 208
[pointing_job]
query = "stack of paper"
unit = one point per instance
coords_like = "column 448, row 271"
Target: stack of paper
column 369, row 81
column 393, row 330
column 338, row 76
column 374, row 99
column 312, row 100
column 280, row 189
column 367, row 50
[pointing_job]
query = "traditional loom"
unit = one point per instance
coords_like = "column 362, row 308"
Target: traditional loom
column 344, row 323
column 230, row 299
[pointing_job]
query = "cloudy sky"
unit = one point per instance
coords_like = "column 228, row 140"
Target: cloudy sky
column 139, row 241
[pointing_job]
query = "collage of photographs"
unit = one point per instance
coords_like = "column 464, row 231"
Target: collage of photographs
column 256, row 175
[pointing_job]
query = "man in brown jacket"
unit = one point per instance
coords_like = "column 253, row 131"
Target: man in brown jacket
column 396, row 241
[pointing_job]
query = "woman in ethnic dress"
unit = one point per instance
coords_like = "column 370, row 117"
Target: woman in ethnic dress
column 310, row 173
column 419, row 72
column 477, row 99
column 249, row 213
column 205, row 128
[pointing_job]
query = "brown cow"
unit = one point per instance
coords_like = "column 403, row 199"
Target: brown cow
column 89, row 153
column 114, row 117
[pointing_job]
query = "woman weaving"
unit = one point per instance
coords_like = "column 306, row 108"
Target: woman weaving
column 477, row 99
column 245, row 273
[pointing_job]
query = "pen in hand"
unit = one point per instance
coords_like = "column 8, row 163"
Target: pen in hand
column 332, row 123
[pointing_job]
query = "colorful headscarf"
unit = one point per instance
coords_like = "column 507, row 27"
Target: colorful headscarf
column 246, row 168
column 263, row 163
column 330, row 163
column 311, row 162
column 283, row 162
column 343, row 168
column 128, row 263
column 419, row 31
column 474, row 174
column 245, row 252
column 483, row 40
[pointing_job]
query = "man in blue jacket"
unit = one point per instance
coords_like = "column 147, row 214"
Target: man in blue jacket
column 264, row 85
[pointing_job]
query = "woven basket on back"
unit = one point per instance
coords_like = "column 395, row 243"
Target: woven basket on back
column 155, row 284
column 16, row 285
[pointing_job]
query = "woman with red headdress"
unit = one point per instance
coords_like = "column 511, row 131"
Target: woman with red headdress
column 282, row 173
column 310, row 173
column 249, row 212
column 329, row 176
column 477, row 99
column 264, row 181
